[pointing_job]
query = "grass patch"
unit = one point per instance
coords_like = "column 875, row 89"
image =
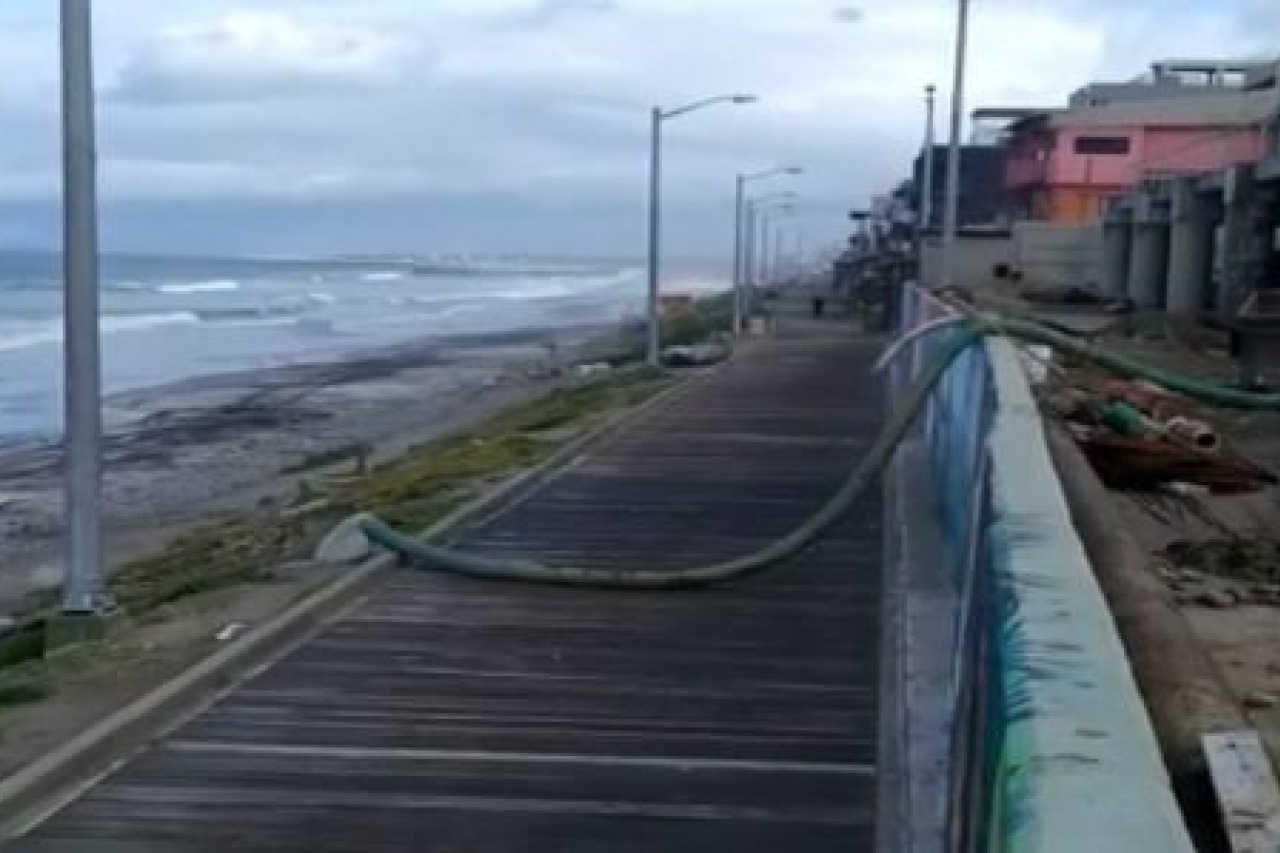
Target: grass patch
column 23, row 691
column 26, row 644
column 356, row 453
column 709, row 317
column 435, row 478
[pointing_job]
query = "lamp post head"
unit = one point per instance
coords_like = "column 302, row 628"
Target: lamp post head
column 744, row 99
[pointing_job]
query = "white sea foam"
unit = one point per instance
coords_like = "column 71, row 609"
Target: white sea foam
column 221, row 285
column 50, row 331
column 384, row 276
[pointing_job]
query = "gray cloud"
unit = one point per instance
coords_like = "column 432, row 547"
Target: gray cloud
column 251, row 55
column 549, row 12
column 314, row 125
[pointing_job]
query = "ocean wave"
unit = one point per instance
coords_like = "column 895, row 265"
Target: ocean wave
column 448, row 312
column 426, row 299
column 50, row 332
column 220, row 285
column 23, row 284
column 316, row 327
column 383, row 276
column 463, row 267
column 547, row 288
column 284, row 307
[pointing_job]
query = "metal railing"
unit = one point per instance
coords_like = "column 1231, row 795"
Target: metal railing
column 1050, row 746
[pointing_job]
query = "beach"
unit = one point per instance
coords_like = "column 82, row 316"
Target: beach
column 229, row 383
column 188, row 452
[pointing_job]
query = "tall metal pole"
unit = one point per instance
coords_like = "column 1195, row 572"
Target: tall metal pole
column 82, row 591
column 764, row 249
column 749, row 258
column 951, row 213
column 654, row 331
column 776, row 266
column 926, row 192
column 737, row 253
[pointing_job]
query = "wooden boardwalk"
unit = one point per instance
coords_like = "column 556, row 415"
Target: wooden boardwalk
column 451, row 716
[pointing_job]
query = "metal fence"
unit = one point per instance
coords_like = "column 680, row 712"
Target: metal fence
column 1050, row 747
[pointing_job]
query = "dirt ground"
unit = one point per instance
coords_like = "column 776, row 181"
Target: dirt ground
column 1218, row 554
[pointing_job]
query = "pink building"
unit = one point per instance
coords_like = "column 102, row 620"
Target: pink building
column 1063, row 165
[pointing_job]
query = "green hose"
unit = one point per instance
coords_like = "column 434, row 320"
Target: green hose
column 863, row 475
column 1199, row 389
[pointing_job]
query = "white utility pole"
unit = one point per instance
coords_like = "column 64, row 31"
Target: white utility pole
column 82, row 590
column 951, row 213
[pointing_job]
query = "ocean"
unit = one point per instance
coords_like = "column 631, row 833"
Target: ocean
column 170, row 318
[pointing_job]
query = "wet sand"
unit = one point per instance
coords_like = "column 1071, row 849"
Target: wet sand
column 181, row 454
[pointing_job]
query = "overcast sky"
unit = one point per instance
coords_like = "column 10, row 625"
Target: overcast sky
column 521, row 125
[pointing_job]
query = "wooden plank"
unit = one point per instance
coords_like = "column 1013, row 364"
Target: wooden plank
column 1248, row 795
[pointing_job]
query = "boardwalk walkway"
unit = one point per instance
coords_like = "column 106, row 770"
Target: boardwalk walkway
column 451, row 716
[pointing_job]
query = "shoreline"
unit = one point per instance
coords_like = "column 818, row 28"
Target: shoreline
column 190, row 451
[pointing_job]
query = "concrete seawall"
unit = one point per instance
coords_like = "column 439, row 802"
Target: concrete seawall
column 1047, row 745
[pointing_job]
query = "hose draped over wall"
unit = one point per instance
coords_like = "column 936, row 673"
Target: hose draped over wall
column 961, row 334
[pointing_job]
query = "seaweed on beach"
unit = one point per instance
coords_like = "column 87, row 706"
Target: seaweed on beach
column 414, row 490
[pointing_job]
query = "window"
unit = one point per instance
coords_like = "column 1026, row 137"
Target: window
column 1102, row 145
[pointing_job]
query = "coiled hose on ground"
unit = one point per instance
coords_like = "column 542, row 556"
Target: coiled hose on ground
column 864, row 474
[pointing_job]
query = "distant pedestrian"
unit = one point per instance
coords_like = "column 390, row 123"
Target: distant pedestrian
column 819, row 305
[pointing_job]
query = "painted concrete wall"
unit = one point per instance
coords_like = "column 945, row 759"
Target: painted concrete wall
column 1065, row 186
column 1046, row 253
column 1058, row 254
column 1185, row 149
column 1193, row 150
column 1054, row 749
column 976, row 260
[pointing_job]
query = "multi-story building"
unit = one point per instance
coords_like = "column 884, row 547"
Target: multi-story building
column 982, row 197
column 1267, row 77
column 1062, row 166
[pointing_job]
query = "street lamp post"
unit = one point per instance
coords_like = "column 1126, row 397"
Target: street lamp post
column 752, row 259
column 764, row 249
column 771, row 241
column 926, row 193
column 657, row 117
column 82, row 587
column 741, row 237
column 779, row 235
column 951, row 213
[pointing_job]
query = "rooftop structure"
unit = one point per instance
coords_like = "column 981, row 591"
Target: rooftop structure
column 1172, row 78
column 1263, row 77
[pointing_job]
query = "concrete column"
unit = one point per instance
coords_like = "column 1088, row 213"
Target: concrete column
column 1239, row 241
column 1149, row 255
column 1117, row 240
column 1190, row 250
